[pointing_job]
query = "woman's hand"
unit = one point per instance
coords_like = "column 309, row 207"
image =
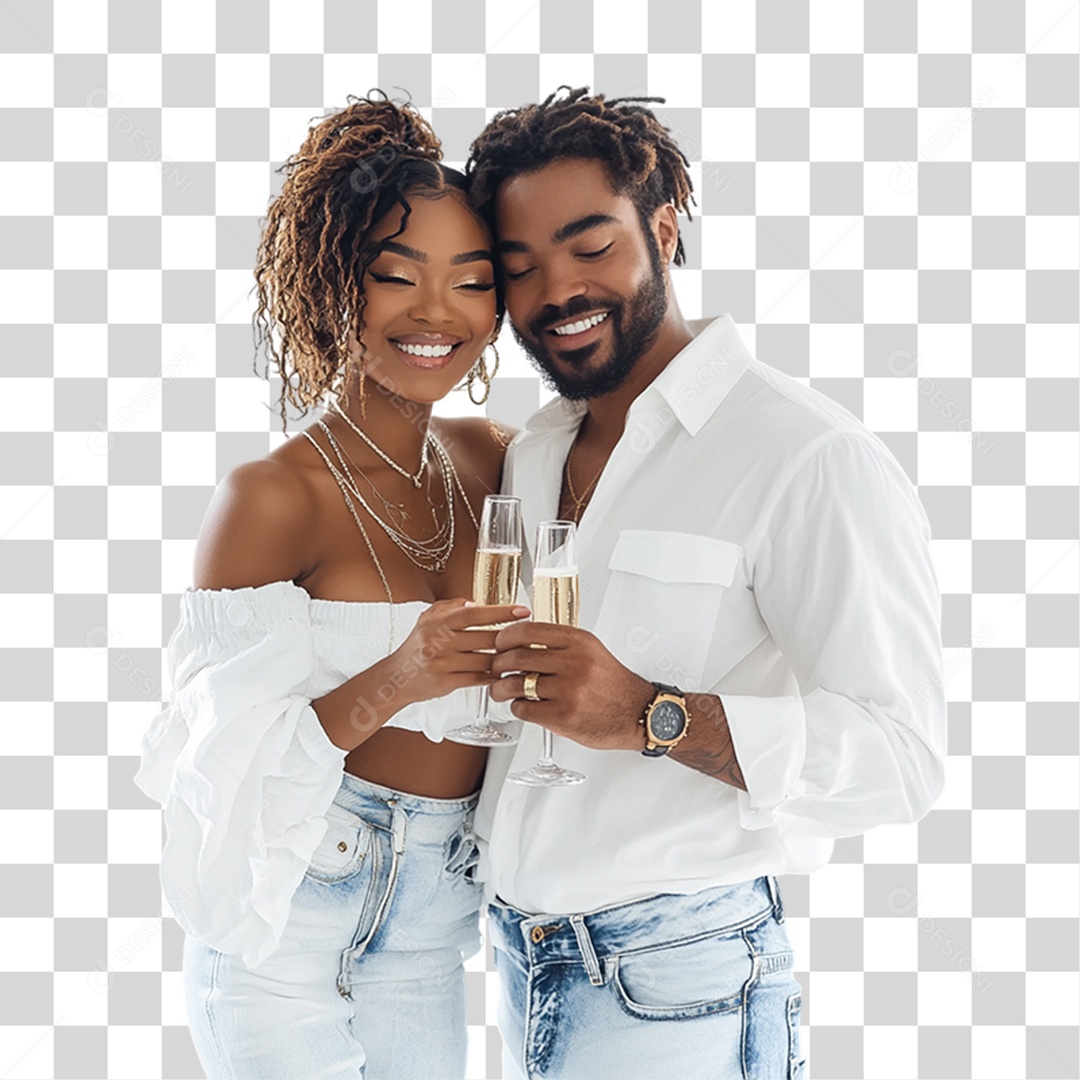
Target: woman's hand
column 442, row 654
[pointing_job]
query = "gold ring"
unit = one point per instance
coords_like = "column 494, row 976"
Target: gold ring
column 530, row 686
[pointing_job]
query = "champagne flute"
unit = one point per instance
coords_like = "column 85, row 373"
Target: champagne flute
column 555, row 600
column 496, row 577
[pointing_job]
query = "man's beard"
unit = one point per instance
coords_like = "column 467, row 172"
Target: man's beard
column 634, row 327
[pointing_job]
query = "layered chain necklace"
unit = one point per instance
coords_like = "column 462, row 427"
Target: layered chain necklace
column 414, row 477
column 396, row 512
column 432, row 554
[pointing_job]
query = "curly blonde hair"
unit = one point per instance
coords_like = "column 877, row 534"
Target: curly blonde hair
column 352, row 169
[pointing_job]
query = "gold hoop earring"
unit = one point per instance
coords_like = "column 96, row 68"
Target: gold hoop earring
column 480, row 371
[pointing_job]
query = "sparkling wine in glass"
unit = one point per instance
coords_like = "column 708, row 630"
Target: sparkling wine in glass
column 496, row 577
column 555, row 600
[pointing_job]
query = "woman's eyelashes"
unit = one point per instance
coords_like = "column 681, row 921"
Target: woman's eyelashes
column 390, row 279
column 396, row 279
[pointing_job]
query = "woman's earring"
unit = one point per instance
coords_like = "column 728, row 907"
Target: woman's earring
column 480, row 371
column 351, row 365
column 360, row 391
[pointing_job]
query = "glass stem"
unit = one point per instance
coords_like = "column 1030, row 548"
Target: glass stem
column 482, row 707
column 546, row 759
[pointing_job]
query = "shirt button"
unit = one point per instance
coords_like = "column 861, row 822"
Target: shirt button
column 238, row 613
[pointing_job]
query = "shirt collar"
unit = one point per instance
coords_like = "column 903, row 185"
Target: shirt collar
column 694, row 383
column 701, row 375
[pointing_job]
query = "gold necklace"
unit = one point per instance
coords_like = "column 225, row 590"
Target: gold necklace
column 392, row 508
column 448, row 464
column 579, row 500
column 363, row 532
column 436, row 549
column 414, row 477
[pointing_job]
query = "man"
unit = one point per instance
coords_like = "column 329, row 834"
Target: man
column 756, row 587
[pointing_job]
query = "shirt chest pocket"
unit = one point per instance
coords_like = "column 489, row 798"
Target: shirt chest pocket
column 663, row 599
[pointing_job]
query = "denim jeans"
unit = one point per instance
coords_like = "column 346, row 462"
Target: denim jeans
column 368, row 980
column 698, row 985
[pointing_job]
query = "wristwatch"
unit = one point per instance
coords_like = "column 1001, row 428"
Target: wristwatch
column 666, row 720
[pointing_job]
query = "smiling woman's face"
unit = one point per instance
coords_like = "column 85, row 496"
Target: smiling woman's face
column 430, row 298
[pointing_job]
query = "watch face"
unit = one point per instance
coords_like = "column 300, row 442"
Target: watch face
column 667, row 720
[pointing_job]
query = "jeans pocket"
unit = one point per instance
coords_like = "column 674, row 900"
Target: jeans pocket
column 796, row 1062
column 704, row 977
column 343, row 850
column 461, row 854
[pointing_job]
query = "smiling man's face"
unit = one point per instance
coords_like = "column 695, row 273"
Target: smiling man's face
column 586, row 287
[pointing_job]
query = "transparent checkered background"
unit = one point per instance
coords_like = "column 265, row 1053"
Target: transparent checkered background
column 888, row 207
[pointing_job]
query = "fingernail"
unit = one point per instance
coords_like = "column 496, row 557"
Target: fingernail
column 520, row 611
column 470, row 603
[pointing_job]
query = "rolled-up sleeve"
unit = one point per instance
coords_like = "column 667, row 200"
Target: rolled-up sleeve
column 844, row 580
column 242, row 765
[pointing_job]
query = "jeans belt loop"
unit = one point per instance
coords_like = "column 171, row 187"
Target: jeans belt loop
column 588, row 953
column 774, row 894
column 398, row 827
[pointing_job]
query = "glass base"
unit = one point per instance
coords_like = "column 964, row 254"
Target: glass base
column 480, row 735
column 547, row 775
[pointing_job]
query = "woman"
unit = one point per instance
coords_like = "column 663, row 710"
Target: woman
column 319, row 851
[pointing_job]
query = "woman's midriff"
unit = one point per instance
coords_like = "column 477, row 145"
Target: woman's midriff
column 409, row 762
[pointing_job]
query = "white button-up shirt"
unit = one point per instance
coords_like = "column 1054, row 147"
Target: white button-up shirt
column 748, row 538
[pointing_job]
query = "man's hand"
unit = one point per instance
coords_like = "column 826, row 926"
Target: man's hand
column 587, row 695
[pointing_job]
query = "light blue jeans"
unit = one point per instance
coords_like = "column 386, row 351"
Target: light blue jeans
column 697, row 985
column 368, row 981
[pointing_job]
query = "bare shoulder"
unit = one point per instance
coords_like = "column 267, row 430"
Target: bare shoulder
column 475, row 434
column 257, row 528
column 477, row 443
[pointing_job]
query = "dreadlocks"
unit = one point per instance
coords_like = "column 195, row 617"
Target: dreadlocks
column 641, row 157
column 352, row 169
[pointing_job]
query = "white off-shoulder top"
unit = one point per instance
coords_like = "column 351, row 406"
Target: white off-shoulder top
column 239, row 759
